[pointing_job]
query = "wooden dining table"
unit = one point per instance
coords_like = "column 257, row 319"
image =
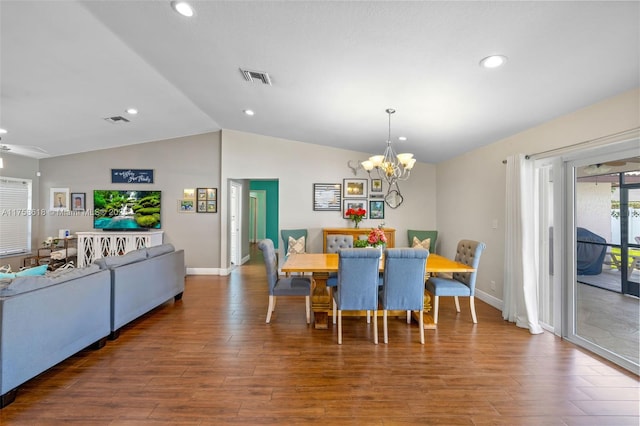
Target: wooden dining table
column 321, row 264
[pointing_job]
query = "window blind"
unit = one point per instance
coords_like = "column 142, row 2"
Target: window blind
column 15, row 216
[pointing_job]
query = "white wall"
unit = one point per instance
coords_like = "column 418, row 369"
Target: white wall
column 471, row 187
column 180, row 163
column 299, row 165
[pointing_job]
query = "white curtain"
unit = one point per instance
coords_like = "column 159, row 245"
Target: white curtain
column 521, row 272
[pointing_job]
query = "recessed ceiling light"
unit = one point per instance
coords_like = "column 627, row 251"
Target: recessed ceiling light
column 3, row 131
column 132, row 111
column 248, row 112
column 402, row 138
column 183, row 8
column 493, row 61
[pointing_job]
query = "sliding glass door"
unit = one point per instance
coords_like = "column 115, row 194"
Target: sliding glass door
column 603, row 305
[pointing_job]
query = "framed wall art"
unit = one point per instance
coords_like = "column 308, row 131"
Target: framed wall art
column 59, row 199
column 355, row 188
column 354, row 204
column 78, row 200
column 376, row 185
column 207, row 200
column 131, row 175
column 186, row 205
column 326, row 197
column 376, row 209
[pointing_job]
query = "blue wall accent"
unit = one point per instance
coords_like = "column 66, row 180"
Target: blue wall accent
column 271, row 188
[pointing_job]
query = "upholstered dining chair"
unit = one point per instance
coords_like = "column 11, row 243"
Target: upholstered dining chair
column 357, row 288
column 422, row 236
column 403, row 283
column 462, row 284
column 279, row 286
column 336, row 242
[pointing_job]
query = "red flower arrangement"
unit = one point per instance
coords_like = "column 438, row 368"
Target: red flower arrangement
column 356, row 215
column 377, row 237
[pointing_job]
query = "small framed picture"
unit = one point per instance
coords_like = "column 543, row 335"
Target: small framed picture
column 59, row 199
column 207, row 199
column 355, row 188
column 376, row 209
column 354, row 204
column 376, row 185
column 186, row 206
column 189, row 194
column 326, row 197
column 78, row 201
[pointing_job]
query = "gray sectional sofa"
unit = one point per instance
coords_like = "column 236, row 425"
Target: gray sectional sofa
column 46, row 319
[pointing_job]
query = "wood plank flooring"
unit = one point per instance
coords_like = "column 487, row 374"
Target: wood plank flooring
column 210, row 359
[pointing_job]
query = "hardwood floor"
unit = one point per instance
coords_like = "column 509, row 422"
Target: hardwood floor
column 210, row 359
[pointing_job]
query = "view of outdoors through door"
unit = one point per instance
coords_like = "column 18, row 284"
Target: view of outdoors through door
column 607, row 218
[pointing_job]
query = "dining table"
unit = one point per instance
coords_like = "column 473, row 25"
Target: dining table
column 320, row 265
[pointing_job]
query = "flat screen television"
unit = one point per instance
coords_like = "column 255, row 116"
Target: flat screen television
column 119, row 210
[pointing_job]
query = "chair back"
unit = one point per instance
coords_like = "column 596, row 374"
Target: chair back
column 270, row 262
column 469, row 252
column 423, row 235
column 336, row 242
column 296, row 234
column 403, row 284
column 358, row 279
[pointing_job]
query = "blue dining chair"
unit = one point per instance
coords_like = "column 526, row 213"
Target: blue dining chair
column 279, row 286
column 357, row 288
column 296, row 234
column 462, row 284
column 403, row 284
column 421, row 236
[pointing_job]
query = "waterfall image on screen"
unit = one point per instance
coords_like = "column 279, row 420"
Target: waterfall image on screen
column 126, row 210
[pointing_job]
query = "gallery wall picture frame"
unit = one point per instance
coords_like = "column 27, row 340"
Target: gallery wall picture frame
column 78, row 201
column 131, row 175
column 376, row 209
column 376, row 185
column 327, row 197
column 354, row 204
column 186, row 205
column 189, row 194
column 207, row 200
column 355, row 188
column 59, row 199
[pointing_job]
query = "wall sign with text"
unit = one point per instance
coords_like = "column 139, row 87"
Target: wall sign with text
column 131, row 175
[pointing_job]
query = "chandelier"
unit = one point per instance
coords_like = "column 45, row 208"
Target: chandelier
column 391, row 167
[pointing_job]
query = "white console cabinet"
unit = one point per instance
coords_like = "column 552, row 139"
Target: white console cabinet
column 95, row 245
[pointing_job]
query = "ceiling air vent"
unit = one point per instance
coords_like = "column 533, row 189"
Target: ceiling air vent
column 116, row 119
column 252, row 76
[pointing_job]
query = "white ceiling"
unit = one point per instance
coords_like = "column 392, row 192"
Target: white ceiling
column 335, row 67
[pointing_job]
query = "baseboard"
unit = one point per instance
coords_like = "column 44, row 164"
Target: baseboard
column 203, row 271
column 489, row 299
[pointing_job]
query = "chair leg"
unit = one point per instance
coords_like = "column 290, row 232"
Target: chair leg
column 421, row 325
column 436, row 301
column 408, row 317
column 384, row 326
column 307, row 303
column 472, row 305
column 339, row 327
column 368, row 317
column 334, row 311
column 272, row 306
column 457, row 304
column 375, row 327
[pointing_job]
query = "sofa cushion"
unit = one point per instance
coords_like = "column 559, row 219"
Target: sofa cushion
column 161, row 249
column 28, row 283
column 37, row 270
column 111, row 262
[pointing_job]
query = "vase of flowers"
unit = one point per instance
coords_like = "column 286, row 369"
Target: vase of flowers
column 378, row 239
column 356, row 215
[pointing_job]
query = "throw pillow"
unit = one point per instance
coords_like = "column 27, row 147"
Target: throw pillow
column 296, row 246
column 6, row 275
column 425, row 244
column 31, row 272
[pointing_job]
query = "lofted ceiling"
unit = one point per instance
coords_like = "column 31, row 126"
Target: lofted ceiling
column 335, row 67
